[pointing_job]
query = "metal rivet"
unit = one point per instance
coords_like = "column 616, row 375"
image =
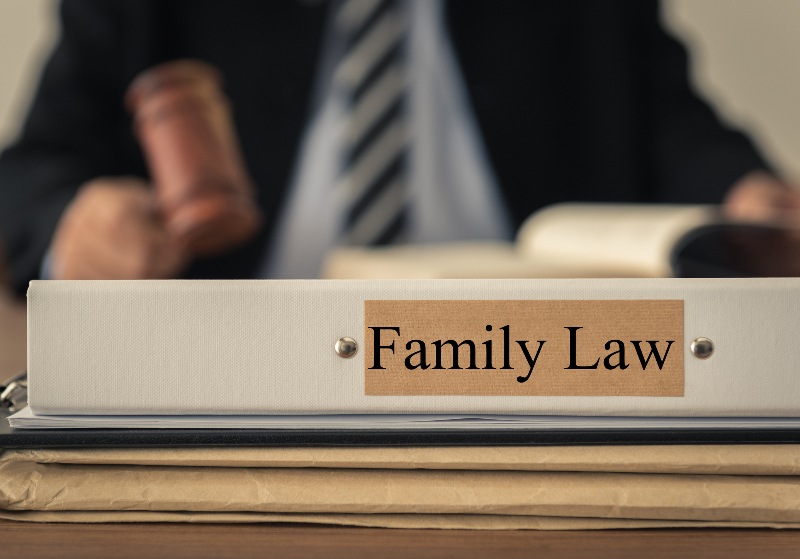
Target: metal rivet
column 346, row 347
column 702, row 348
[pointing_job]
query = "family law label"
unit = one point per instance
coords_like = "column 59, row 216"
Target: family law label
column 524, row 348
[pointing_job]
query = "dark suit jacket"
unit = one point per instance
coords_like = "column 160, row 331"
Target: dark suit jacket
column 576, row 100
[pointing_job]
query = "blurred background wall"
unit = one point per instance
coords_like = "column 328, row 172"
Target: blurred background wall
column 744, row 52
column 28, row 29
column 745, row 59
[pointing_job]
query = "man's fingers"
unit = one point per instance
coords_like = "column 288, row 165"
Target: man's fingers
column 112, row 231
column 763, row 199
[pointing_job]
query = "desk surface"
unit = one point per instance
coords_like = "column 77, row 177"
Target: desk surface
column 248, row 540
column 12, row 336
column 285, row 541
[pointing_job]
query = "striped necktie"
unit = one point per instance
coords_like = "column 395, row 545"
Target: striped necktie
column 371, row 75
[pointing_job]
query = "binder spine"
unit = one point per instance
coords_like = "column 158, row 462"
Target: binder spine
column 269, row 347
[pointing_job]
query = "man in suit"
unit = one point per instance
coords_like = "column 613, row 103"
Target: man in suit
column 570, row 100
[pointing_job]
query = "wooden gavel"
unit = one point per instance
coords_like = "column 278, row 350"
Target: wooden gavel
column 183, row 122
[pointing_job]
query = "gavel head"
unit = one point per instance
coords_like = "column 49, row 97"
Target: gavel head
column 184, row 125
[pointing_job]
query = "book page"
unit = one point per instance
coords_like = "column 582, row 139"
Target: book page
column 565, row 240
column 621, row 240
column 487, row 259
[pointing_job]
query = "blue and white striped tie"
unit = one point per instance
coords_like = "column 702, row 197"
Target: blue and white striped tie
column 372, row 77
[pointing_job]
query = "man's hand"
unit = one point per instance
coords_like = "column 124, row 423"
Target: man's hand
column 765, row 200
column 111, row 230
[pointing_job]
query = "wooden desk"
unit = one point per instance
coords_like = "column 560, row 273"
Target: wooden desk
column 12, row 336
column 287, row 541
column 247, row 540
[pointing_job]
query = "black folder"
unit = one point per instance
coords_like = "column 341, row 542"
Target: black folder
column 11, row 395
column 152, row 438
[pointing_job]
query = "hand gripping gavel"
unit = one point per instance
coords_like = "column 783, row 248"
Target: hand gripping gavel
column 184, row 125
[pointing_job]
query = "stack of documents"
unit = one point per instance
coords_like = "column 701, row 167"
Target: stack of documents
column 479, row 488
column 485, row 362
column 26, row 419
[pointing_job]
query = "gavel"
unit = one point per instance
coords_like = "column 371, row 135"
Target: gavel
column 184, row 125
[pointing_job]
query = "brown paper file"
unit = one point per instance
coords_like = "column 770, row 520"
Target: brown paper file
column 411, row 521
column 53, row 487
column 700, row 459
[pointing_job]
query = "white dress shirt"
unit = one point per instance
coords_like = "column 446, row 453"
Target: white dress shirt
column 453, row 190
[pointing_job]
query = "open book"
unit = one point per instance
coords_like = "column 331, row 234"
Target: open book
column 590, row 240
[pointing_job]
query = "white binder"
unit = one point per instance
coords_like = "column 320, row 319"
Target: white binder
column 267, row 347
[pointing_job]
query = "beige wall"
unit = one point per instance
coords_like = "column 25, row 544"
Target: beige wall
column 745, row 56
column 27, row 30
